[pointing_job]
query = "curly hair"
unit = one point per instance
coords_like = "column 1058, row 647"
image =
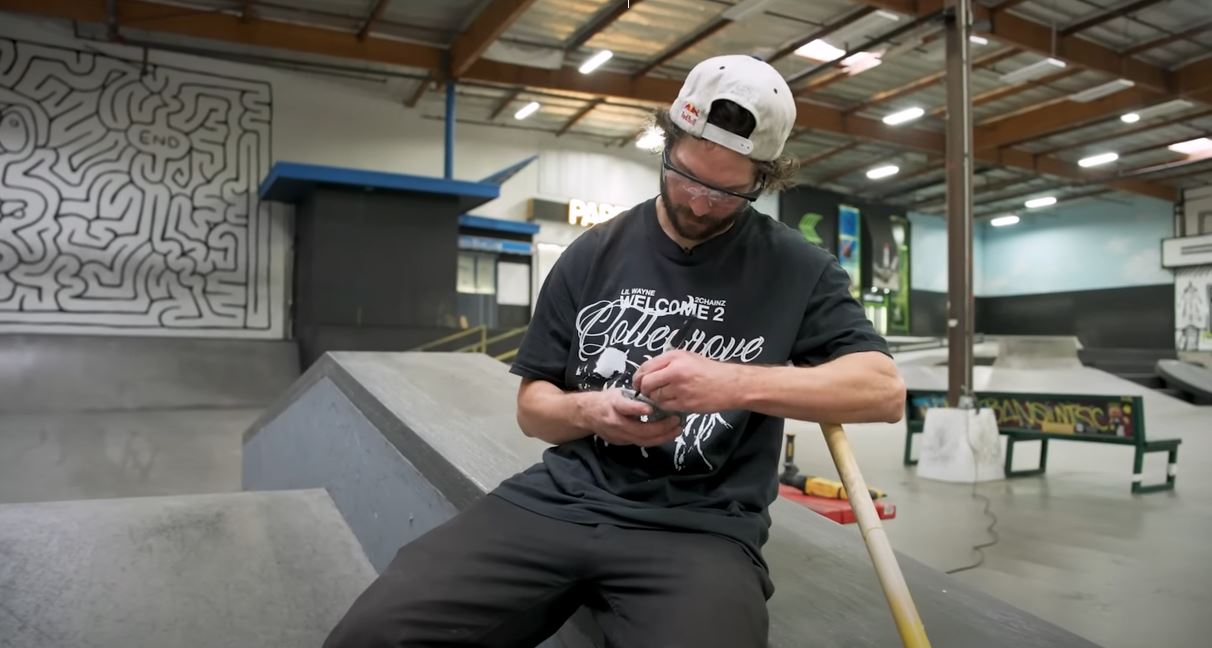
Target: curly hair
column 776, row 174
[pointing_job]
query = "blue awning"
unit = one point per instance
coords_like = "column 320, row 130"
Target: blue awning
column 289, row 182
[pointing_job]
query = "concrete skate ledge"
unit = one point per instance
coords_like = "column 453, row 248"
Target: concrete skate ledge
column 430, row 433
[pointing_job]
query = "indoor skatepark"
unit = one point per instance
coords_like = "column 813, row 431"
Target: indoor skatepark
column 239, row 473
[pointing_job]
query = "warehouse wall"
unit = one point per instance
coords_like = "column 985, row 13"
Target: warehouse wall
column 104, row 245
column 1062, row 271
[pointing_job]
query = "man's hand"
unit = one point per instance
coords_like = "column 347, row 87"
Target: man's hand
column 615, row 418
column 681, row 381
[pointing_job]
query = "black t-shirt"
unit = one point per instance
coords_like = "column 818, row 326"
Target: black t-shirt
column 759, row 293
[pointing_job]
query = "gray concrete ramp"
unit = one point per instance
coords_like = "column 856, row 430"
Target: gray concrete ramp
column 403, row 441
column 200, row 571
column 1037, row 352
column 76, row 373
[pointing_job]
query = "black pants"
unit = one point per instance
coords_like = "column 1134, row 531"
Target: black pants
column 498, row 575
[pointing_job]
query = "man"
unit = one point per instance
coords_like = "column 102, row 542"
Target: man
column 720, row 317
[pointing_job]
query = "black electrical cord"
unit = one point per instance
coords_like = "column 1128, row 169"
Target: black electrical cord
column 978, row 548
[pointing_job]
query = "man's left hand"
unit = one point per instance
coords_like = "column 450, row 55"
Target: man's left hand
column 682, row 381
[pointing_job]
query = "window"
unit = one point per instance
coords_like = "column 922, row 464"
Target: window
column 477, row 274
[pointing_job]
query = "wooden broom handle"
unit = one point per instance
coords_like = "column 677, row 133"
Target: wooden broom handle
column 904, row 613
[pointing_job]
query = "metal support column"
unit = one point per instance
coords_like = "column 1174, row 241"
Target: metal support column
column 448, row 170
column 960, row 303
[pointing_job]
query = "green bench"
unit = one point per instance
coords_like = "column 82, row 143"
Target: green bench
column 1067, row 417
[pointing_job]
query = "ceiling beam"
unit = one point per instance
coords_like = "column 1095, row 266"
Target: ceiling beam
column 486, row 28
column 865, row 46
column 422, row 88
column 1059, row 201
column 996, row 94
column 375, row 14
column 1061, row 169
column 1194, row 77
column 598, row 24
column 924, row 82
column 579, row 115
column 826, row 154
column 230, row 29
column 707, row 29
column 1166, row 40
column 825, row 30
column 505, row 101
column 1055, row 117
column 286, row 36
column 838, row 175
column 1028, row 34
column 1110, row 14
column 1141, row 128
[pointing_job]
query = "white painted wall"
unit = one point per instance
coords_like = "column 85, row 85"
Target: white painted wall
column 1197, row 210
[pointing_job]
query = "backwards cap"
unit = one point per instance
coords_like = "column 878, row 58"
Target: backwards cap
column 750, row 83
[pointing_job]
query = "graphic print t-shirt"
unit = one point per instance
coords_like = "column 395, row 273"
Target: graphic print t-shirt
column 757, row 294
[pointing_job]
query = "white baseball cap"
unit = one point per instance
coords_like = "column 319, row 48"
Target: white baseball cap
column 752, row 84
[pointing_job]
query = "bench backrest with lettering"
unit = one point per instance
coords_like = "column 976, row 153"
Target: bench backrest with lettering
column 1114, row 419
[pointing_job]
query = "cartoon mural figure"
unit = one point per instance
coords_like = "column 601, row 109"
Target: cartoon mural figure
column 1193, row 316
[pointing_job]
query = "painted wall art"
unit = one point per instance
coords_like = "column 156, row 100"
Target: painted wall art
column 128, row 197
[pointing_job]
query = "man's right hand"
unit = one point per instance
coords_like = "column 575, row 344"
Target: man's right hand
column 616, row 419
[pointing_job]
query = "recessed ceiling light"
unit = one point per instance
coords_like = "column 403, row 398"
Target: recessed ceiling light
column 819, row 50
column 1096, row 160
column 1042, row 201
column 883, row 171
column 527, row 110
column 979, row 40
column 596, row 61
column 903, row 116
column 1002, row 221
column 861, row 62
column 1193, row 147
column 1129, row 118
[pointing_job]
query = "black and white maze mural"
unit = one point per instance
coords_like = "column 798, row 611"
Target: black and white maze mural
column 128, row 196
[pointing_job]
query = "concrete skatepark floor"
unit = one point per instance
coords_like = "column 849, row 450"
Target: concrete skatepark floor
column 1076, row 548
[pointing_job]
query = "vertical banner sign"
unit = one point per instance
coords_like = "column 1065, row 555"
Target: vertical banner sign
column 898, row 311
column 849, row 253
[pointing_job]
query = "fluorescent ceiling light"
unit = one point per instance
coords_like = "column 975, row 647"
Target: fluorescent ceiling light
column 653, row 139
column 903, row 116
column 1003, row 221
column 1043, row 201
column 819, row 50
column 860, row 62
column 744, row 9
column 527, row 110
column 883, row 171
column 1100, row 91
column 888, row 14
column 1096, row 160
column 979, row 40
column 596, row 61
column 1033, row 71
column 1166, row 108
column 1197, row 146
column 1129, row 118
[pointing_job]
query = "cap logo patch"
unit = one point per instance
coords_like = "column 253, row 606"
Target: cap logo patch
column 690, row 113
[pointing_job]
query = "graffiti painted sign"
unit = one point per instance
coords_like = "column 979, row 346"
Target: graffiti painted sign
column 1106, row 416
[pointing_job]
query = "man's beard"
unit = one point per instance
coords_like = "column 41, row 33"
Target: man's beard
column 696, row 229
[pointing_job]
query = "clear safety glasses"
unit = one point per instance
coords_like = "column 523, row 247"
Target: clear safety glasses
column 695, row 188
